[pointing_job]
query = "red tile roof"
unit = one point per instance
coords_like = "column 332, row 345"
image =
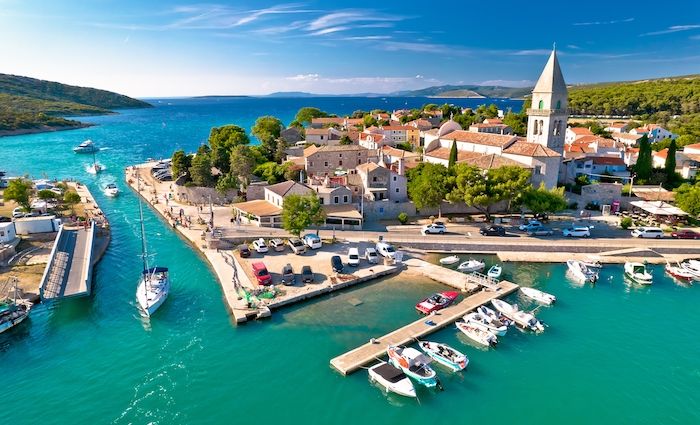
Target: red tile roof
column 444, row 153
column 663, row 153
column 608, row 160
column 580, row 131
column 529, row 149
column 487, row 139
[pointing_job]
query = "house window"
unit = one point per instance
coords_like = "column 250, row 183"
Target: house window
column 345, row 199
column 340, row 155
column 397, row 190
column 340, row 162
column 320, row 201
column 335, row 199
column 541, row 125
column 541, row 105
column 538, row 169
column 322, row 136
column 374, row 179
column 394, row 178
column 558, row 104
column 325, row 163
column 311, row 163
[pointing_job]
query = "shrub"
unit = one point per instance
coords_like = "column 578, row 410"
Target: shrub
column 626, row 223
column 403, row 218
column 572, row 206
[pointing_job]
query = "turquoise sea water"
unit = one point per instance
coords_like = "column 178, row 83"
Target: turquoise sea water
column 612, row 353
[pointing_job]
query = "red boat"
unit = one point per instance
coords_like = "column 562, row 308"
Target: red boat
column 437, row 302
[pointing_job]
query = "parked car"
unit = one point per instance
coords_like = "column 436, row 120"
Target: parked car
column 371, row 255
column 261, row 274
column 296, row 245
column 288, row 277
column 679, row 234
column 307, row 275
column 493, row 230
column 577, row 232
column 353, row 257
column 542, row 217
column 386, row 250
column 244, row 251
column 541, row 231
column 4, row 219
column 260, row 246
column 277, row 244
column 337, row 264
column 530, row 223
column 312, row 241
column 17, row 212
column 648, row 232
column 438, row 228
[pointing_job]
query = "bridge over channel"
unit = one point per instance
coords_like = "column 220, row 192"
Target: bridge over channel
column 68, row 272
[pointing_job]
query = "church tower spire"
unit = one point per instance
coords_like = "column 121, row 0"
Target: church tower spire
column 548, row 114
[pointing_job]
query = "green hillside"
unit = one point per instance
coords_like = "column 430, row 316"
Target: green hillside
column 468, row 91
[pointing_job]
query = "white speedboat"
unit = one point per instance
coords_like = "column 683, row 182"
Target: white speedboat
column 693, row 267
column 637, row 272
column 537, row 295
column 391, row 379
column 86, row 147
column 497, row 328
column 495, row 317
column 478, row 334
column 593, row 262
column 111, row 190
column 445, row 355
column 495, row 271
column 523, row 319
column 452, row 259
column 413, row 363
column 680, row 273
column 471, row 265
column 580, row 272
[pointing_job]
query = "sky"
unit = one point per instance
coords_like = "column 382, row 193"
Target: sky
column 158, row 48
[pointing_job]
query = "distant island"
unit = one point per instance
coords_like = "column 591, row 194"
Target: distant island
column 451, row 91
column 28, row 105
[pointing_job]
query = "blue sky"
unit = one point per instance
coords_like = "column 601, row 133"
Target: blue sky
column 182, row 48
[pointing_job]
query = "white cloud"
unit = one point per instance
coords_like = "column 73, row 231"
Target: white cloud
column 672, row 29
column 330, row 30
column 223, row 17
column 532, row 52
column 572, row 46
column 304, row 77
column 367, row 37
column 344, row 18
column 395, row 46
column 617, row 21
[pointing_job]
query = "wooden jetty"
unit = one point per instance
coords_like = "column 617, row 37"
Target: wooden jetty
column 355, row 359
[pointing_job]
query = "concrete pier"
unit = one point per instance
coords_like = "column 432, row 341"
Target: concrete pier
column 360, row 356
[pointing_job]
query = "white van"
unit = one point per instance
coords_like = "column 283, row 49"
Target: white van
column 353, row 257
column 648, row 232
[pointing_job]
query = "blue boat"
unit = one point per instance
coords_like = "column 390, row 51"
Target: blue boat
column 414, row 364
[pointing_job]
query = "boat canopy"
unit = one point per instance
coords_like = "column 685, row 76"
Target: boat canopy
column 156, row 270
column 389, row 372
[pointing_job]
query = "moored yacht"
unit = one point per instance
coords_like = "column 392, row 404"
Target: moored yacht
column 86, row 147
column 637, row 272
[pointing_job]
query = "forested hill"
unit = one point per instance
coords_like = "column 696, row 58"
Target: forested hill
column 673, row 95
column 49, row 90
column 28, row 105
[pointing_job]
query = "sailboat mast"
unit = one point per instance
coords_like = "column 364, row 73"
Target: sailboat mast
column 144, row 248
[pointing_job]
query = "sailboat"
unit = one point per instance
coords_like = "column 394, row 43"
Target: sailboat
column 95, row 167
column 12, row 313
column 154, row 286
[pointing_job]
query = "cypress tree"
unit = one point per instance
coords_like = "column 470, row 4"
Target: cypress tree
column 670, row 165
column 643, row 166
column 453, row 155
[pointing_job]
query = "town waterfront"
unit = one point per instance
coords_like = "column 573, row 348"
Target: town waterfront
column 613, row 353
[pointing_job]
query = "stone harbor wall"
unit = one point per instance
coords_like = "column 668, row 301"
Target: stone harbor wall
column 202, row 195
column 387, row 210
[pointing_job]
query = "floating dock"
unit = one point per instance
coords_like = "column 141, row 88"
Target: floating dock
column 360, row 356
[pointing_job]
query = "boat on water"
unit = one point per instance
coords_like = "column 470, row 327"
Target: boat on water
column 471, row 265
column 495, row 271
column 413, row 363
column 495, row 317
column 13, row 312
column 86, row 147
column 537, row 295
column 111, row 190
column 391, row 379
column 447, row 261
column 496, row 327
column 94, row 168
column 693, row 267
column 593, row 262
column 477, row 334
column 154, row 286
column 445, row 355
column 679, row 272
column 521, row 318
column 638, row 273
column 437, row 301
column 581, row 272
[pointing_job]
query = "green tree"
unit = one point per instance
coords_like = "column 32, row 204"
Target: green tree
column 46, row 194
column 227, row 182
column 518, row 122
column 345, row 140
column 71, row 198
column 19, row 190
column 644, row 161
column 242, row 163
column 270, row 171
column 453, row 155
column 301, row 211
column 688, row 198
column 428, row 184
column 181, row 164
column 267, row 130
column 543, row 200
column 670, row 165
column 222, row 141
column 306, row 114
column 200, row 170
column 369, row 121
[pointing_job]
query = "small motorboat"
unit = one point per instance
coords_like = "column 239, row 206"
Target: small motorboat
column 111, row 190
column 471, row 265
column 445, row 355
column 495, row 271
column 522, row 319
column 13, row 311
column 437, row 301
column 86, row 147
column 478, row 334
column 679, row 272
column 692, row 266
column 537, row 295
column 580, row 272
column 638, row 273
column 413, row 363
column 447, row 261
column 593, row 262
column 497, row 327
column 391, row 379
column 495, row 317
